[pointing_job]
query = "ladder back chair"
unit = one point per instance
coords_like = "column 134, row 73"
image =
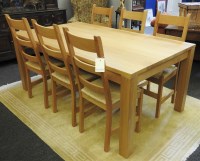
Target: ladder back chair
column 102, row 16
column 100, row 92
column 59, row 65
column 171, row 72
column 31, row 57
column 133, row 15
column 179, row 21
column 60, row 74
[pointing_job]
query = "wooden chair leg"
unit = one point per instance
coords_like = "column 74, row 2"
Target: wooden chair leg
column 139, row 112
column 174, row 88
column 29, row 86
column 81, row 114
column 108, row 130
column 45, row 88
column 74, row 122
column 159, row 99
column 54, row 100
column 148, row 86
column 175, row 82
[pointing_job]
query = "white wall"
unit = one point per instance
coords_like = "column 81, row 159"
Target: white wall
column 172, row 7
column 66, row 4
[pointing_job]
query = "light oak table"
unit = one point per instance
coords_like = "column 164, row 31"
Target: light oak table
column 130, row 58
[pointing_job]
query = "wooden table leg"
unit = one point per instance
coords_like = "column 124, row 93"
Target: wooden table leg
column 183, row 81
column 127, row 116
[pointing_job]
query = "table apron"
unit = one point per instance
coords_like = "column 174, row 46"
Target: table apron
column 154, row 70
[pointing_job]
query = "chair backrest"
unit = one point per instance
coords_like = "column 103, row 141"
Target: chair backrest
column 82, row 9
column 54, row 56
column 92, row 46
column 23, row 44
column 179, row 21
column 133, row 15
column 102, row 16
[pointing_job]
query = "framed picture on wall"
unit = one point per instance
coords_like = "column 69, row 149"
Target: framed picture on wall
column 161, row 5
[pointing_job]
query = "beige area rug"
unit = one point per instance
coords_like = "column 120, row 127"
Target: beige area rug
column 172, row 137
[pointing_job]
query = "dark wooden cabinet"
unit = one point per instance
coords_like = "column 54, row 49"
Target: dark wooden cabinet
column 51, row 4
column 6, row 46
column 45, row 17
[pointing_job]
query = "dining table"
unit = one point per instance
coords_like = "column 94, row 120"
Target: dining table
column 130, row 58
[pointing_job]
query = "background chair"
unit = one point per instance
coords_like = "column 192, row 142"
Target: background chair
column 101, row 92
column 102, row 16
column 164, row 20
column 82, row 9
column 171, row 72
column 133, row 15
column 31, row 58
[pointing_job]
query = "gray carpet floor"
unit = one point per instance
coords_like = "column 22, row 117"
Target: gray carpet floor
column 17, row 141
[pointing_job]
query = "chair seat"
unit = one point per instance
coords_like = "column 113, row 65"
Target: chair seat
column 61, row 77
column 87, row 75
column 166, row 72
column 114, row 90
column 35, row 65
column 142, row 83
column 65, row 79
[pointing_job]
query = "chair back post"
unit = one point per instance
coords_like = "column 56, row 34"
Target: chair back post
column 71, row 56
column 30, row 34
column 110, row 16
column 8, row 19
column 65, row 54
column 18, row 55
column 155, row 29
column 34, row 23
column 92, row 16
column 100, row 54
column 121, row 18
column 99, row 47
column 186, row 26
column 143, row 21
